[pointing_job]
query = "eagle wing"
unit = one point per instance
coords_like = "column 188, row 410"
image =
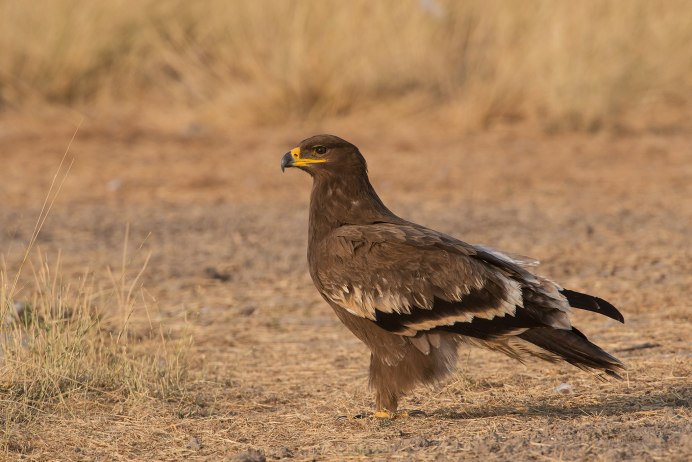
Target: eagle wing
column 409, row 279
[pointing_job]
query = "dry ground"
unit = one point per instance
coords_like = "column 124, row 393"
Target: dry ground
column 269, row 366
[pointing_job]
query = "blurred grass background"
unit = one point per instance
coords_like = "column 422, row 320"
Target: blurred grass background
column 562, row 65
column 177, row 362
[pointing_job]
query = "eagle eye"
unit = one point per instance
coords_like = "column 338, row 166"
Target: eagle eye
column 319, row 150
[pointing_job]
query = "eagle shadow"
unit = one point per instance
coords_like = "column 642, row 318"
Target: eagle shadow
column 679, row 396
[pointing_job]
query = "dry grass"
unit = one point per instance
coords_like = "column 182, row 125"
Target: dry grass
column 269, row 367
column 563, row 65
column 59, row 341
column 195, row 332
column 67, row 351
column 67, row 344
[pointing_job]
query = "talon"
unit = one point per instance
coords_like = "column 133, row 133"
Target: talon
column 384, row 414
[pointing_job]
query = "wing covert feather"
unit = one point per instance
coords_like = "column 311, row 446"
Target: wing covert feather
column 384, row 270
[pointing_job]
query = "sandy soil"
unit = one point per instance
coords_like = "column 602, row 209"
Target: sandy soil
column 270, row 367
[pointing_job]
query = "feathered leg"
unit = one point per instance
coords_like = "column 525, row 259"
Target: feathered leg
column 384, row 381
column 391, row 381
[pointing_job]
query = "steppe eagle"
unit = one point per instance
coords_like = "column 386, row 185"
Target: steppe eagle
column 412, row 294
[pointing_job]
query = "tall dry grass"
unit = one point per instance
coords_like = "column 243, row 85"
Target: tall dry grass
column 563, row 64
column 68, row 343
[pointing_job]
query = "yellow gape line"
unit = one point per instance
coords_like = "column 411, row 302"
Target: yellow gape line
column 299, row 161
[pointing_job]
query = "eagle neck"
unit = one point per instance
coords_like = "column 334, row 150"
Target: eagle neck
column 344, row 200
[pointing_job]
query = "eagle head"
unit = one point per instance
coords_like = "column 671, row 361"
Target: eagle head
column 325, row 154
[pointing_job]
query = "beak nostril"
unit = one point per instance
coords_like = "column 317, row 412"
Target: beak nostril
column 295, row 155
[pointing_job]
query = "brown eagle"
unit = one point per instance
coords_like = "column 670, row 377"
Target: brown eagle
column 412, row 294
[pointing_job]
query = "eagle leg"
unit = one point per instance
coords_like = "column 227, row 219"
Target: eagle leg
column 391, row 381
column 383, row 379
column 386, row 399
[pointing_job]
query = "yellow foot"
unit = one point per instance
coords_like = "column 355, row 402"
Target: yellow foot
column 384, row 414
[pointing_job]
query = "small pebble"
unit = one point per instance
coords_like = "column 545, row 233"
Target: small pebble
column 114, row 185
column 195, row 444
column 564, row 389
column 251, row 455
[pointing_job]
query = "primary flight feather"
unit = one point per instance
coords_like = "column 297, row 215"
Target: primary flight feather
column 412, row 294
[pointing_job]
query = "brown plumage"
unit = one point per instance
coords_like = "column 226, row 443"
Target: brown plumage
column 412, row 294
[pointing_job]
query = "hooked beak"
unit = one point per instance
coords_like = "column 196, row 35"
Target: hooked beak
column 286, row 161
column 293, row 159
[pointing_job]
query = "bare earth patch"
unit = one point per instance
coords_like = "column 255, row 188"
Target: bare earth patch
column 268, row 366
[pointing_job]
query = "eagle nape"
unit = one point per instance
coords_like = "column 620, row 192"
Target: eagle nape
column 413, row 294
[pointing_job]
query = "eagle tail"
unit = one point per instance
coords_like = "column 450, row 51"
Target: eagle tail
column 591, row 303
column 575, row 348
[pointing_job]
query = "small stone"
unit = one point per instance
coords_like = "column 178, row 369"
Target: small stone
column 195, row 444
column 251, row 455
column 282, row 453
column 246, row 310
column 420, row 442
column 214, row 273
column 114, row 185
column 564, row 389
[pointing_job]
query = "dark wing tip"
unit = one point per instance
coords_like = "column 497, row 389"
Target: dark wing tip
column 591, row 303
column 573, row 347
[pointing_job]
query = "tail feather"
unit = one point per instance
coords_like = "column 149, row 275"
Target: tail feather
column 592, row 303
column 575, row 348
